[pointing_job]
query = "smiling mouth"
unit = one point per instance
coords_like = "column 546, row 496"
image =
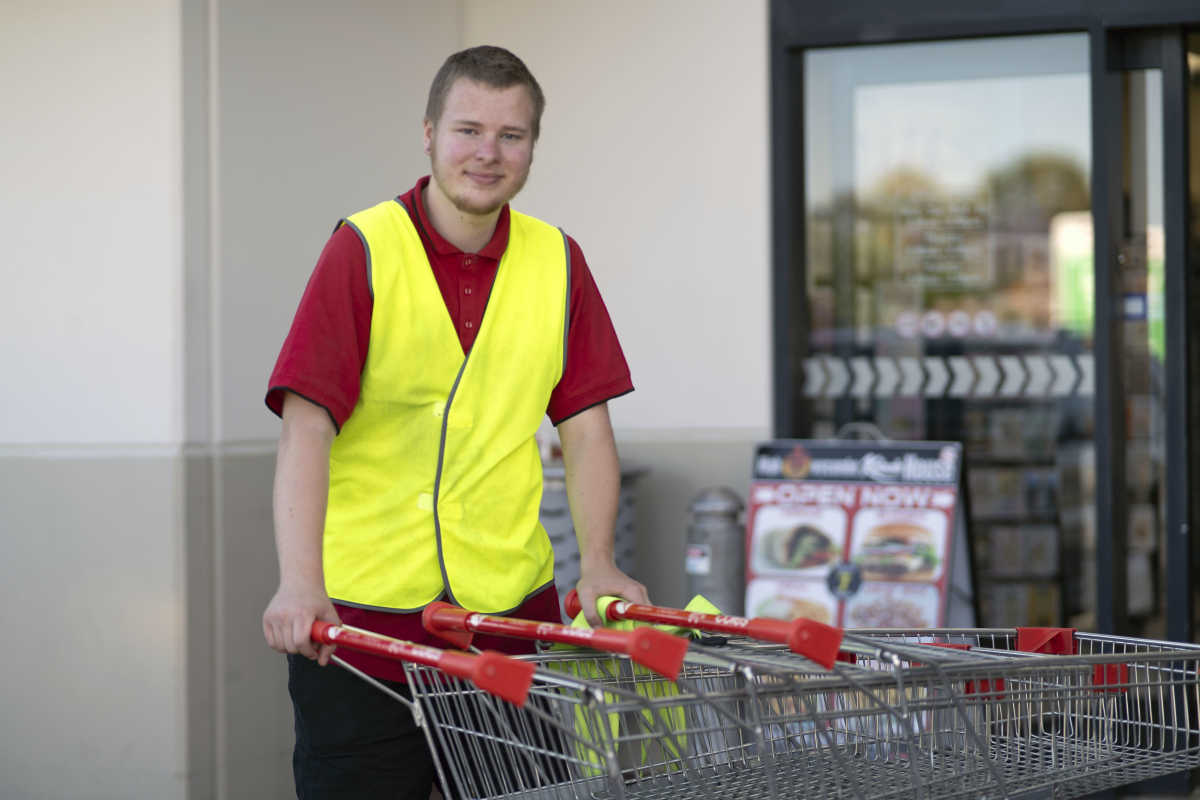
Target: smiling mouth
column 486, row 180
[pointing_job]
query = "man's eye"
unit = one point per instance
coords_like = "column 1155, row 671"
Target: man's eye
column 512, row 137
column 466, row 130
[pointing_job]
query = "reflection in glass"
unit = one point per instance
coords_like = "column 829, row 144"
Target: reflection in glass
column 1140, row 262
column 949, row 279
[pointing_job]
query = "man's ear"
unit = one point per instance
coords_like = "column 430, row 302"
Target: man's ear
column 427, row 135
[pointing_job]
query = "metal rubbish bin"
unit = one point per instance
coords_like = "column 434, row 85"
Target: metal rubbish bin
column 715, row 562
column 555, row 517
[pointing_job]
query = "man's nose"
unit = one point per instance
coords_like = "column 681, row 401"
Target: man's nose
column 487, row 148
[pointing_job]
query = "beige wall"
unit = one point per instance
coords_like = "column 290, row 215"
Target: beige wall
column 92, row 685
column 90, row 208
column 136, row 457
column 92, row 564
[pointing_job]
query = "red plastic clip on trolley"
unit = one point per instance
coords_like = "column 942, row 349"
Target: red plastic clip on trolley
column 814, row 640
column 494, row 673
column 655, row 650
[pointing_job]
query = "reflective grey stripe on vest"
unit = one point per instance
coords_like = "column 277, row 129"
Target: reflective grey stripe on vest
column 437, row 481
column 567, row 302
column 366, row 251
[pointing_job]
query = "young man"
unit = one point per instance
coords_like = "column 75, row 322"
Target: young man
column 436, row 332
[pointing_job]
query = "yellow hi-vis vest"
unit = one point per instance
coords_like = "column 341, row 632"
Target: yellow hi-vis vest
column 435, row 480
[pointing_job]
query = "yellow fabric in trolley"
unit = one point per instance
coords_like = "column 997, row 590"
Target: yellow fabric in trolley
column 647, row 683
column 434, row 485
column 697, row 605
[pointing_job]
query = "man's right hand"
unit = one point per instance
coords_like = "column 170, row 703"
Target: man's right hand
column 287, row 622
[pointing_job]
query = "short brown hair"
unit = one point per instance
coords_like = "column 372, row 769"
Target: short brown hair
column 492, row 66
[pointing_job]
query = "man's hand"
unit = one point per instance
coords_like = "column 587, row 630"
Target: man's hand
column 603, row 578
column 287, row 622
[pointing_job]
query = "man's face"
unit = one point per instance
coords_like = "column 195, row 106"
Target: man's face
column 481, row 148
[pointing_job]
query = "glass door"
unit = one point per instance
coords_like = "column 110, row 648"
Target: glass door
column 949, row 285
column 996, row 244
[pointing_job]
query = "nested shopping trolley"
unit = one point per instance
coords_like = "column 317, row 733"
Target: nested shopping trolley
column 811, row 713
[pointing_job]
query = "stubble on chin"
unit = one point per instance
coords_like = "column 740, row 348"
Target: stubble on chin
column 467, row 205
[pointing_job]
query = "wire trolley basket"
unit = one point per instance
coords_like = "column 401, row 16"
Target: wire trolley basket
column 966, row 713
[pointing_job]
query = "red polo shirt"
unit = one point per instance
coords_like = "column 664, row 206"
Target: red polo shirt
column 323, row 356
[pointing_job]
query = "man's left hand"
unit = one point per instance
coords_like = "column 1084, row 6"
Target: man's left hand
column 603, row 578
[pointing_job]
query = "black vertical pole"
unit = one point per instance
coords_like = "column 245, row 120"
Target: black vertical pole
column 1108, row 223
column 788, row 306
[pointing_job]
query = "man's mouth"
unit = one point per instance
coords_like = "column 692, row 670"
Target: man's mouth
column 484, row 179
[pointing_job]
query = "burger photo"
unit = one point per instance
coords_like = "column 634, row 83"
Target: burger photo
column 898, row 551
column 800, row 547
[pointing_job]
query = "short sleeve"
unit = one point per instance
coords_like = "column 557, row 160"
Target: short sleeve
column 595, row 369
column 323, row 355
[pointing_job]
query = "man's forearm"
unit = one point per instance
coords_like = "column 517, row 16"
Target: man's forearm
column 594, row 490
column 593, row 478
column 300, row 497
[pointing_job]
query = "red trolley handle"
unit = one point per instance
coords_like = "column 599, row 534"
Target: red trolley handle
column 814, row 640
column 494, row 673
column 655, row 650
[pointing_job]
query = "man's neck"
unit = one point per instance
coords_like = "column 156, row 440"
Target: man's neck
column 468, row 232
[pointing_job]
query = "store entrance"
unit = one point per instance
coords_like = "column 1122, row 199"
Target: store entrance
column 949, row 285
column 956, row 195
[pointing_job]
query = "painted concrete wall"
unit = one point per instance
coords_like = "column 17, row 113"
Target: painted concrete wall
column 89, row 315
column 92, row 568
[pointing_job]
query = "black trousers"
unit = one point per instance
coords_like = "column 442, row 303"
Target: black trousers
column 352, row 740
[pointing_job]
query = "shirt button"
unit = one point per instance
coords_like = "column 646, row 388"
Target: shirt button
column 467, row 261
column 467, row 290
column 469, row 324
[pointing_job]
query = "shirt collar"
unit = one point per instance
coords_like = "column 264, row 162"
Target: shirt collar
column 495, row 247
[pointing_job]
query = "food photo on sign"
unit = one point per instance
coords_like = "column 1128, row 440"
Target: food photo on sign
column 893, row 605
column 899, row 545
column 792, row 599
column 787, row 539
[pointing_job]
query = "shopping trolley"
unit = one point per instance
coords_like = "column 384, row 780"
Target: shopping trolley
column 1069, row 713
column 887, row 714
